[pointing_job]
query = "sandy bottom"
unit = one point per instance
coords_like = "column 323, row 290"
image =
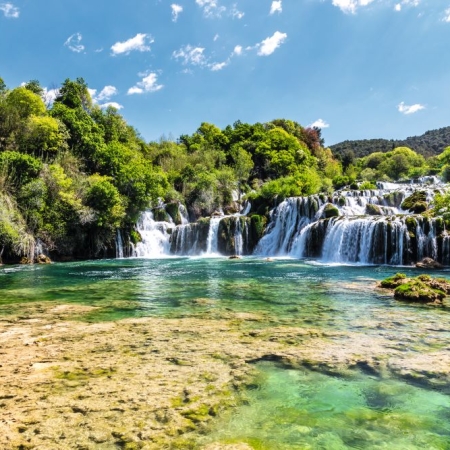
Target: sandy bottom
column 155, row 383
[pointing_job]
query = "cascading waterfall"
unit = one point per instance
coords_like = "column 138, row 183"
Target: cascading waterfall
column 212, row 239
column 286, row 221
column 119, row 244
column 155, row 237
column 366, row 227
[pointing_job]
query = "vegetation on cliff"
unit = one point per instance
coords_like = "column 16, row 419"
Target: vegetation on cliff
column 72, row 172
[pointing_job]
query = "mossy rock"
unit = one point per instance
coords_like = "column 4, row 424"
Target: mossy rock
column 415, row 202
column 373, row 210
column 418, row 291
column 394, row 281
column 330, row 211
column 160, row 215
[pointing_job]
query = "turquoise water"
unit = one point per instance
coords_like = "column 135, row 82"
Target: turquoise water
column 295, row 409
column 291, row 409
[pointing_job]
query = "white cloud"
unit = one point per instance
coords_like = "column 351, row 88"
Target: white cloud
column 319, row 123
column 269, row 45
column 50, row 95
column 276, row 7
column 191, row 55
column 113, row 104
column 235, row 13
column 139, row 43
column 446, row 16
column 211, row 8
column 350, row 6
column 9, row 10
column 399, row 6
column 237, row 50
column 105, row 94
column 219, row 66
column 149, row 83
column 409, row 109
column 74, row 43
column 176, row 10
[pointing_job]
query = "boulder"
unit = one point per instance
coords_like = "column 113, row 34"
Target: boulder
column 43, row 259
column 429, row 263
column 330, row 211
column 373, row 210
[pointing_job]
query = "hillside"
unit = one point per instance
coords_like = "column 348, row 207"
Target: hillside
column 428, row 144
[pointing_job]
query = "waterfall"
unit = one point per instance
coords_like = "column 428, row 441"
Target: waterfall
column 183, row 214
column 155, row 237
column 212, row 239
column 286, row 222
column 119, row 244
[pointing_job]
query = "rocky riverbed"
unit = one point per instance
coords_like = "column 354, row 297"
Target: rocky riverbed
column 155, row 383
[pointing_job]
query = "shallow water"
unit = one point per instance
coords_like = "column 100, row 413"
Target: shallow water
column 291, row 409
column 296, row 409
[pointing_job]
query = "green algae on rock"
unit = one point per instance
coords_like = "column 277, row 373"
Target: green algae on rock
column 423, row 288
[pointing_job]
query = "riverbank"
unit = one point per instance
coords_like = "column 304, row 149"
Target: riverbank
column 156, row 383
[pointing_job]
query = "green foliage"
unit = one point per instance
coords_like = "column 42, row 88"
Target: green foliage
column 23, row 168
column 25, row 102
column 104, row 198
column 428, row 144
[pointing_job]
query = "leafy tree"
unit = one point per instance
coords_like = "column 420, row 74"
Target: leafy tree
column 25, row 102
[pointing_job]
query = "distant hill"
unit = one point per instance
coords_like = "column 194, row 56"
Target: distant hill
column 428, row 144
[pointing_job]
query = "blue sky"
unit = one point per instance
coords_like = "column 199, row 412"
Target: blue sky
column 358, row 68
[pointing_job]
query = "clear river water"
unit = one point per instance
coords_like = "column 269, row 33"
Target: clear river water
column 287, row 408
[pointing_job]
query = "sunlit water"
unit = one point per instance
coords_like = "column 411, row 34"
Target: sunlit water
column 290, row 409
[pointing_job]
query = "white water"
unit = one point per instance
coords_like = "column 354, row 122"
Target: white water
column 155, row 238
column 212, row 240
column 119, row 244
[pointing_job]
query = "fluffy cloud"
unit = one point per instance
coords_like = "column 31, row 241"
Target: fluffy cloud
column 409, row 109
column 138, row 43
column 149, row 83
column 350, row 6
column 9, row 10
column 237, row 50
column 112, row 104
column 319, row 123
column 269, row 45
column 176, row 10
column 105, row 94
column 211, row 8
column 446, row 15
column 191, row 55
column 219, row 66
column 276, row 7
column 50, row 95
column 74, row 43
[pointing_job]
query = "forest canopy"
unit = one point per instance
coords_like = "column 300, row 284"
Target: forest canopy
column 72, row 173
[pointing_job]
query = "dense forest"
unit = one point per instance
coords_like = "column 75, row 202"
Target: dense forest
column 72, row 173
column 431, row 143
